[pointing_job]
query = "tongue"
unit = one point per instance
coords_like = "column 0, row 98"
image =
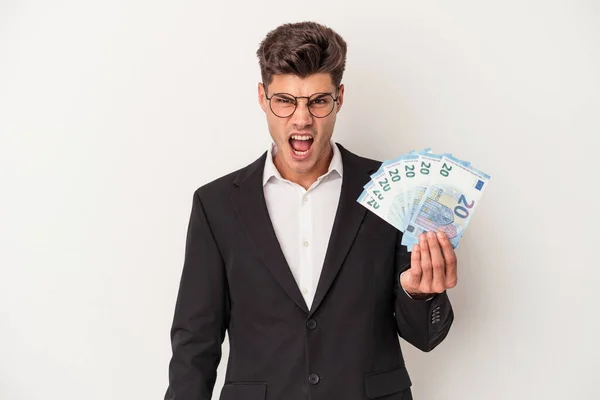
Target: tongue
column 301, row 145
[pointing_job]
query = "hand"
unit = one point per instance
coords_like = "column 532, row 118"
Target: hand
column 432, row 266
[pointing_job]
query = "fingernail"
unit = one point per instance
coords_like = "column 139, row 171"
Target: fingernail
column 440, row 234
column 431, row 235
column 422, row 237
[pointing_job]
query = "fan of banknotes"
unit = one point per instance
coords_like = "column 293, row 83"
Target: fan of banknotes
column 422, row 191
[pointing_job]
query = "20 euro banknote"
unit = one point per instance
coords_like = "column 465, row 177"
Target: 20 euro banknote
column 449, row 202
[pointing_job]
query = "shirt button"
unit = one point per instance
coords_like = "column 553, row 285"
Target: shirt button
column 313, row 379
column 304, row 291
column 305, row 243
column 311, row 324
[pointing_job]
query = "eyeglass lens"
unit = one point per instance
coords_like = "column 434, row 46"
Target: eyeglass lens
column 320, row 105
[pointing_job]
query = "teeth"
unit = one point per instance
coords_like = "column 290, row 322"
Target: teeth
column 301, row 137
column 299, row 153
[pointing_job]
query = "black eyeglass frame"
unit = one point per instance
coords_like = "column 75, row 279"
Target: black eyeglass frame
column 335, row 100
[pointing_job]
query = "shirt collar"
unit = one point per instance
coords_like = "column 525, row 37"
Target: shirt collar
column 271, row 171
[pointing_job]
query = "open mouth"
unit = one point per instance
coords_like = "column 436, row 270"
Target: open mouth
column 301, row 144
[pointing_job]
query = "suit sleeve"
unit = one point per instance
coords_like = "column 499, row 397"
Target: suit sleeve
column 422, row 323
column 201, row 313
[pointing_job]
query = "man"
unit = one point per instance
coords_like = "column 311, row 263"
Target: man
column 312, row 289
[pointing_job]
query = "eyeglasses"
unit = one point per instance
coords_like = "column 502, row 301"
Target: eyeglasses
column 284, row 105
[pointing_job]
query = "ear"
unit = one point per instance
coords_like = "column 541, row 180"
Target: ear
column 261, row 97
column 340, row 99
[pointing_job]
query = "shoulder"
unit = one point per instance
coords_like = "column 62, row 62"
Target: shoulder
column 224, row 185
column 351, row 158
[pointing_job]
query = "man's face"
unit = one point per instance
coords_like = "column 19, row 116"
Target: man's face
column 295, row 154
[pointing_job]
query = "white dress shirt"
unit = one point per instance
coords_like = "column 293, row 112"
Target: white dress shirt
column 303, row 219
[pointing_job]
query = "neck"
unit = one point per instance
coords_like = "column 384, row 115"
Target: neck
column 305, row 179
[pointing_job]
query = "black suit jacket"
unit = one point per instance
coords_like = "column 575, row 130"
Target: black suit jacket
column 235, row 278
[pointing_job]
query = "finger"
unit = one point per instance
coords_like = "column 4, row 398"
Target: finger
column 415, row 267
column 450, row 258
column 438, row 284
column 426, row 267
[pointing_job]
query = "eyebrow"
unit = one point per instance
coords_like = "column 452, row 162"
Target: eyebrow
column 316, row 93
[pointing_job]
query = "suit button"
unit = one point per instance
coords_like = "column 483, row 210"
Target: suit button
column 313, row 379
column 311, row 324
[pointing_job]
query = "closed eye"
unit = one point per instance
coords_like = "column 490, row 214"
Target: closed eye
column 284, row 100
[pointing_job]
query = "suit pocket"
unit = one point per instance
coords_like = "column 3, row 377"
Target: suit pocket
column 383, row 383
column 244, row 391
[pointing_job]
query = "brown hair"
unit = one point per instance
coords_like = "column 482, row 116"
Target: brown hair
column 302, row 49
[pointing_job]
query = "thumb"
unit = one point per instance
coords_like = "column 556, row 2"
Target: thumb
column 405, row 279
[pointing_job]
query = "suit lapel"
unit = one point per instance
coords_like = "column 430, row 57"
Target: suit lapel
column 348, row 217
column 249, row 202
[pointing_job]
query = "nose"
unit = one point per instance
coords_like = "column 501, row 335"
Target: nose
column 302, row 117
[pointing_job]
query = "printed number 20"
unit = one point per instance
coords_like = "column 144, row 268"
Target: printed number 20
column 373, row 204
column 461, row 211
column 445, row 171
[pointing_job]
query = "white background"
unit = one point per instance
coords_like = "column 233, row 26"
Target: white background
column 113, row 112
